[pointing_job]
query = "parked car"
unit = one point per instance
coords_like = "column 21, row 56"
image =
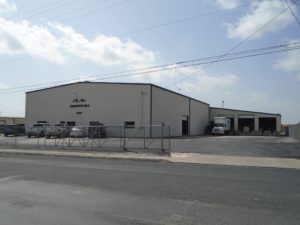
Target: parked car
column 98, row 131
column 14, row 129
column 37, row 130
column 77, row 132
column 57, row 131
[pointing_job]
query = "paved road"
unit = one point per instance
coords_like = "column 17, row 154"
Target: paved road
column 50, row 190
column 283, row 147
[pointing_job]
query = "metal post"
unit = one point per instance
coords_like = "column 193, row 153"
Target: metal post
column 162, row 136
column 38, row 139
column 169, row 137
column 124, row 138
column 44, row 129
column 55, row 133
column 83, row 138
column 15, row 138
column 120, row 133
column 144, row 137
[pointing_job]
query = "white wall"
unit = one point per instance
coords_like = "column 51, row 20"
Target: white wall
column 173, row 108
column 111, row 104
column 170, row 108
column 199, row 117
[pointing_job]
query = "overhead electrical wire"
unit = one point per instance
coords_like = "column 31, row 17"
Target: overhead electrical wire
column 46, row 9
column 205, row 61
column 170, row 66
column 237, row 45
column 36, row 55
column 135, row 31
column 183, row 20
column 292, row 12
column 97, row 10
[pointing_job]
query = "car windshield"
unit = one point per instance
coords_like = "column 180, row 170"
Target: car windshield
column 219, row 125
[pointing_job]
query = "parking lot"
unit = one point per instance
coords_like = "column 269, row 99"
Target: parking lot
column 256, row 146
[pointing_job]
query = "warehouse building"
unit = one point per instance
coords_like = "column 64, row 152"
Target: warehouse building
column 113, row 104
column 138, row 104
column 248, row 121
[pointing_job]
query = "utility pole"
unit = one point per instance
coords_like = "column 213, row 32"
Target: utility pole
column 223, row 104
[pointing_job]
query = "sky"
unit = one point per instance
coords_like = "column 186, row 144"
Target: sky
column 52, row 42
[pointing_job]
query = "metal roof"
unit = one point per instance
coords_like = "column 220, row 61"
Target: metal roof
column 89, row 82
column 239, row 110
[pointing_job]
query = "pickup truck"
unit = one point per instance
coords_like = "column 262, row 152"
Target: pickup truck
column 37, row 130
column 57, row 131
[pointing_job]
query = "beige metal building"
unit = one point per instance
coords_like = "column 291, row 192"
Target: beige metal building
column 248, row 121
column 115, row 104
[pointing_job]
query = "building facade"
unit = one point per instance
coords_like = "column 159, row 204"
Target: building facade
column 248, row 121
column 114, row 104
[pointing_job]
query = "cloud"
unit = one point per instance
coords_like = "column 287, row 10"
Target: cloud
column 256, row 98
column 290, row 62
column 228, row 4
column 3, row 86
column 260, row 13
column 58, row 43
column 205, row 83
column 106, row 50
column 6, row 6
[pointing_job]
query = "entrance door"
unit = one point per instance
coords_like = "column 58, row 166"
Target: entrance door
column 185, row 127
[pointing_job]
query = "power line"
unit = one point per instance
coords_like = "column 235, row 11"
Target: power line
column 76, row 10
column 238, row 44
column 135, row 31
column 183, row 20
column 292, row 12
column 97, row 10
column 102, row 9
column 172, row 66
column 48, row 9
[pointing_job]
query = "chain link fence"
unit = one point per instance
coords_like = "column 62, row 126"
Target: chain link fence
column 146, row 137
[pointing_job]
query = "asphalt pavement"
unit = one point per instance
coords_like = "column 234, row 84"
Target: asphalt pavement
column 60, row 190
column 253, row 146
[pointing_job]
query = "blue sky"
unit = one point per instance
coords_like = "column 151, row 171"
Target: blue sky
column 51, row 40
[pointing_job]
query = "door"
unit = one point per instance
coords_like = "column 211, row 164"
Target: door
column 185, row 127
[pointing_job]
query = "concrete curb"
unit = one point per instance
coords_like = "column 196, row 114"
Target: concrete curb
column 110, row 155
column 285, row 163
column 185, row 158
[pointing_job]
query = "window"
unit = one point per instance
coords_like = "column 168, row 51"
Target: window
column 71, row 123
column 129, row 124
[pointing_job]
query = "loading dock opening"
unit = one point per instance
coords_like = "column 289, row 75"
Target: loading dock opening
column 246, row 124
column 267, row 124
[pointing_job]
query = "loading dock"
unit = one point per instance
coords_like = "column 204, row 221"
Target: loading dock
column 267, row 124
column 249, row 122
column 246, row 123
